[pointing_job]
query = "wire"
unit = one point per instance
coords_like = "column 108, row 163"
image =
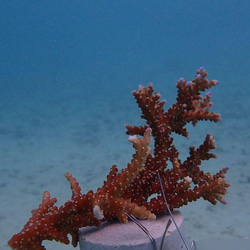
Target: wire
column 144, row 229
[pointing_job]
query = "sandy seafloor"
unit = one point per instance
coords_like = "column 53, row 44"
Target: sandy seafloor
column 71, row 118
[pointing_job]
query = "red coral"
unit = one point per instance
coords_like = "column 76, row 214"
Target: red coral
column 191, row 106
column 129, row 191
column 49, row 222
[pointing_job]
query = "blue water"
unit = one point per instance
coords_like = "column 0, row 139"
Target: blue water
column 67, row 70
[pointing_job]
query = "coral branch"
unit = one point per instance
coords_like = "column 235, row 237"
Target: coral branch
column 192, row 107
column 129, row 191
column 48, row 222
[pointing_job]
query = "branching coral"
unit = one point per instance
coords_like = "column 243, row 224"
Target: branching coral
column 130, row 190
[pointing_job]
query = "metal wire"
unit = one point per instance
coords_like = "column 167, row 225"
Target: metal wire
column 170, row 213
column 193, row 245
column 164, row 234
column 144, row 229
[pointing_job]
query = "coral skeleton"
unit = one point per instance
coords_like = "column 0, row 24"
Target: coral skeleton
column 130, row 191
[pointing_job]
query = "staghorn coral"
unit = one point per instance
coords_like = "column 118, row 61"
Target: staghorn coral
column 192, row 107
column 49, row 222
column 129, row 191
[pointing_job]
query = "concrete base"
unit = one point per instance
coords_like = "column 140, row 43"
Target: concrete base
column 129, row 236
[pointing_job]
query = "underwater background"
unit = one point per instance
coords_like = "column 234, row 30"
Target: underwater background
column 67, row 70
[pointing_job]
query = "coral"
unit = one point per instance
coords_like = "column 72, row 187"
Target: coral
column 185, row 182
column 130, row 190
column 50, row 222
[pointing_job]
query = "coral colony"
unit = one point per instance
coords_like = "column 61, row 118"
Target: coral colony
column 129, row 191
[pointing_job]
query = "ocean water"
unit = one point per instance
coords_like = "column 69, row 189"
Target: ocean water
column 67, row 70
